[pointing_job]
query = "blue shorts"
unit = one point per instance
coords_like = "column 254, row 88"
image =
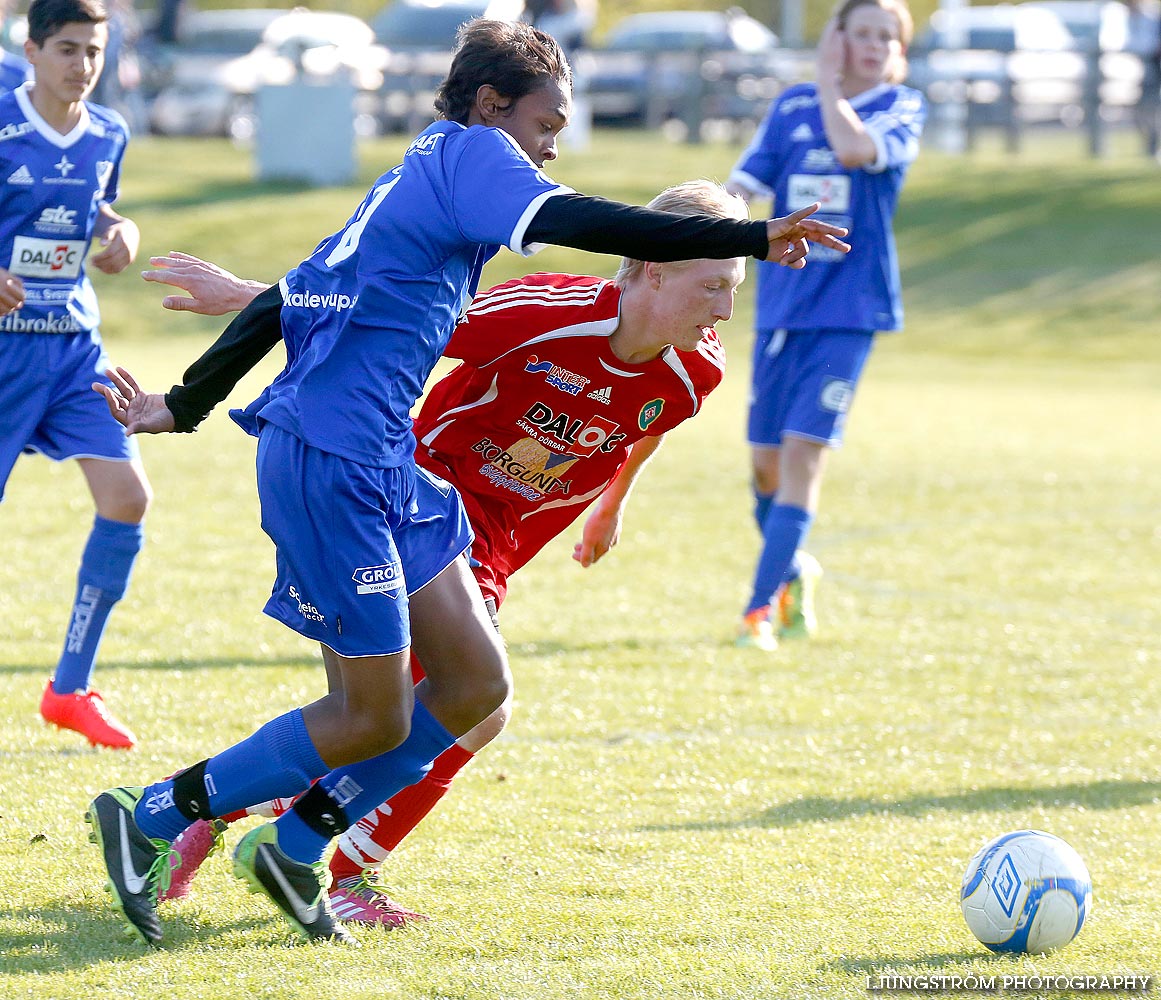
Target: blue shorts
column 47, row 403
column 803, row 383
column 352, row 541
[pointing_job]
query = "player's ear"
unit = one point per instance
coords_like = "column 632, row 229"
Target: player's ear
column 490, row 105
column 654, row 272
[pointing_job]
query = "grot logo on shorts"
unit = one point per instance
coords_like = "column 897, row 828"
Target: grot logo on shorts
column 836, row 395
column 385, row 579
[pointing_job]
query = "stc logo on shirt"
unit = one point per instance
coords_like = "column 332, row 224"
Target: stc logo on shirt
column 61, row 219
column 46, row 258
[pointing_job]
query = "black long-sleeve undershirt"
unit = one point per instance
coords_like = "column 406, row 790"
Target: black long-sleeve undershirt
column 582, row 222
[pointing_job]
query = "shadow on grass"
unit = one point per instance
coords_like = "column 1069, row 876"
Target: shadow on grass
column 215, row 663
column 821, row 809
column 57, row 937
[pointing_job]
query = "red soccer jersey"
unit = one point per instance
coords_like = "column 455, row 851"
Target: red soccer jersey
column 540, row 415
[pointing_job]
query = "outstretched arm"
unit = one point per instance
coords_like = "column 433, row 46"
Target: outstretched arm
column 602, row 528
column 601, row 226
column 213, row 291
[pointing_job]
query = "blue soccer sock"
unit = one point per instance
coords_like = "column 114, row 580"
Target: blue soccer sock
column 354, row 790
column 783, row 533
column 106, row 565
column 762, row 504
column 278, row 761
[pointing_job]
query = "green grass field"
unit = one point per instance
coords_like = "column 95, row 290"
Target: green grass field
column 668, row 816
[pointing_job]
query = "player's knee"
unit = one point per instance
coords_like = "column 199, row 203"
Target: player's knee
column 489, row 729
column 369, row 733
column 127, row 504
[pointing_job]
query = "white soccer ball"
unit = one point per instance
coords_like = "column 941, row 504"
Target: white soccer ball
column 1026, row 891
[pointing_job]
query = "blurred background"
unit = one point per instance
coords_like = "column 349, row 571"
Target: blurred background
column 703, row 72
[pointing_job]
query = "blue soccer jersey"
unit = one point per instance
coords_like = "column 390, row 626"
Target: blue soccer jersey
column 367, row 316
column 51, row 187
column 13, row 71
column 790, row 160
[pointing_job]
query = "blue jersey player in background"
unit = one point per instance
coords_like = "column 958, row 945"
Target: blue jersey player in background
column 370, row 549
column 846, row 143
column 60, row 165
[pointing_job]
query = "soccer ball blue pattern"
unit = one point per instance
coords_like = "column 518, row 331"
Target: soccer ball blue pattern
column 1026, row 891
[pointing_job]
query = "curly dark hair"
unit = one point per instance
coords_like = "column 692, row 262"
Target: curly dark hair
column 513, row 57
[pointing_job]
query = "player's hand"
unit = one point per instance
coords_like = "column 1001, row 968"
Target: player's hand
column 11, row 292
column 789, row 236
column 139, row 412
column 832, row 52
column 213, row 291
column 601, row 532
column 120, row 241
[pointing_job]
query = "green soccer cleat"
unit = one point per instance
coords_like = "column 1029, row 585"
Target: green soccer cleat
column 297, row 889
column 756, row 632
column 138, row 866
column 796, row 615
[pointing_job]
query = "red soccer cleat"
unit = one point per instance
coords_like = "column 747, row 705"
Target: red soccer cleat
column 362, row 900
column 85, row 712
column 193, row 845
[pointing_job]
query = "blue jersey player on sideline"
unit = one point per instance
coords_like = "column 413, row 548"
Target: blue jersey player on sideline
column 13, row 71
column 845, row 142
column 370, row 550
column 60, row 166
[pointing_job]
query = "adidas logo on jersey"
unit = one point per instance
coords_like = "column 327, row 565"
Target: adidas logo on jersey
column 20, row 176
column 804, row 133
column 604, row 395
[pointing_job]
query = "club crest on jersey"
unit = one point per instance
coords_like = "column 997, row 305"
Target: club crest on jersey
column 385, row 579
column 104, row 173
column 562, row 432
column 555, row 376
column 650, row 412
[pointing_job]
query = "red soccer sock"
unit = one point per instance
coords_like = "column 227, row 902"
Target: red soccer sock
column 368, row 842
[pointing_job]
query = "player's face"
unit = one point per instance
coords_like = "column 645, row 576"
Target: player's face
column 536, row 119
column 68, row 64
column 693, row 297
column 873, row 44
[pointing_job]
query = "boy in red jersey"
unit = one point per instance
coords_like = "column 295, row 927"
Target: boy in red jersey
column 565, row 388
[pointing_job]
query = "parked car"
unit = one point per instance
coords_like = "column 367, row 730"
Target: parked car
column 983, row 54
column 651, row 66
column 418, row 37
column 212, row 92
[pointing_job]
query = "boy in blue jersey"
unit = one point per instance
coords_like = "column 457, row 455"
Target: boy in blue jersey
column 60, row 164
column 370, row 550
column 845, row 142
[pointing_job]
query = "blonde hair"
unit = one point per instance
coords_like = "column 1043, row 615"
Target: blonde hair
column 700, row 197
column 898, row 72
